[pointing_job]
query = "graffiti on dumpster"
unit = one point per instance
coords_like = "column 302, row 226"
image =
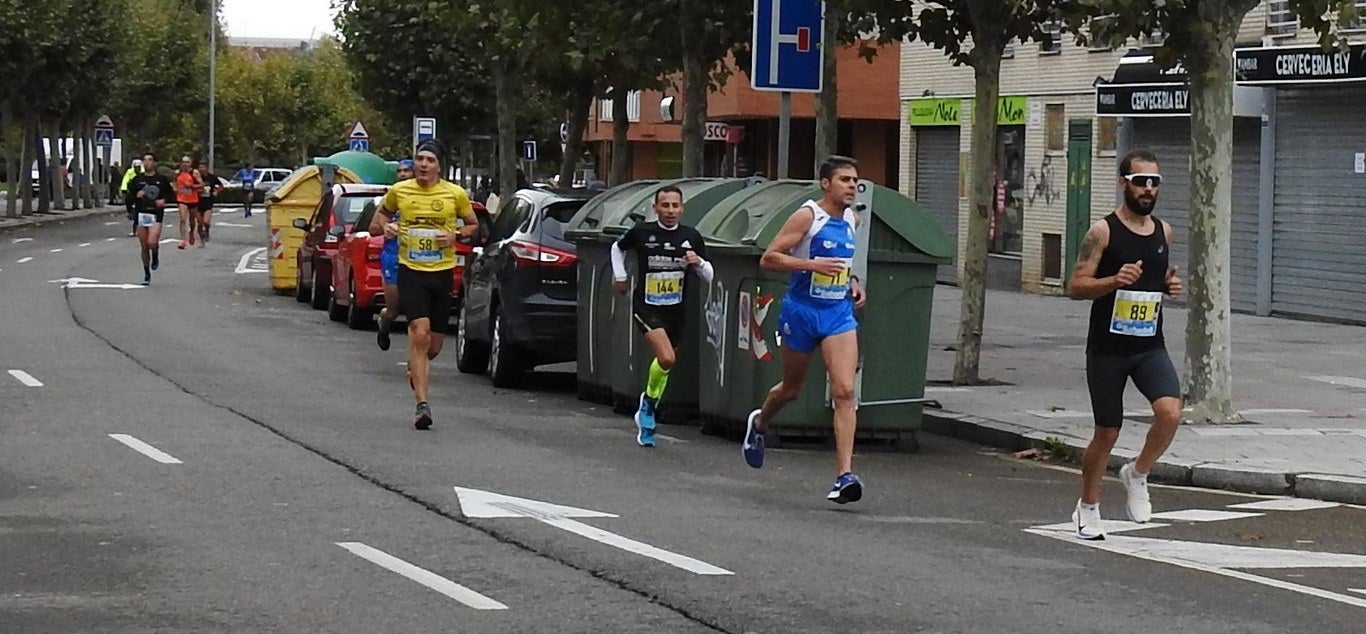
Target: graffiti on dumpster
column 715, row 314
column 742, row 329
column 756, row 327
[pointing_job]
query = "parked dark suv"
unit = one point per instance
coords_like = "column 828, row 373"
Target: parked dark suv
column 521, row 291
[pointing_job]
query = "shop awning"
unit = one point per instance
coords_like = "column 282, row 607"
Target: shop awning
column 1277, row 65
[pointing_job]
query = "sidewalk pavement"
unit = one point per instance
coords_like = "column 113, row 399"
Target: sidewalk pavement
column 1300, row 386
column 35, row 220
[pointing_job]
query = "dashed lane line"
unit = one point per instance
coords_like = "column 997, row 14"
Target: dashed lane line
column 25, row 378
column 23, row 260
column 146, row 449
column 422, row 576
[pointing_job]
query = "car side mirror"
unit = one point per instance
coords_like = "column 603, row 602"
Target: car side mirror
column 300, row 224
column 336, row 231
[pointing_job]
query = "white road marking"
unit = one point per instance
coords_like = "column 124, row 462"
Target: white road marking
column 1079, row 413
column 1285, row 504
column 145, row 449
column 1346, row 381
column 1357, row 590
column 671, row 438
column 18, row 240
column 23, row 260
column 1202, row 515
column 168, row 240
column 485, row 504
column 1219, row 558
column 944, row 389
column 425, row 577
column 54, row 251
column 1106, row 526
column 232, row 224
column 25, row 378
column 110, row 239
column 83, row 245
column 112, row 223
column 246, row 265
column 1272, row 410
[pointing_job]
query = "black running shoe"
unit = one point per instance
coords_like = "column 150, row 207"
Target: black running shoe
column 382, row 337
column 156, row 259
column 423, row 416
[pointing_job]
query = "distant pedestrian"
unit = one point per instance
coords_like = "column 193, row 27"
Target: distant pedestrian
column 247, row 176
column 1124, row 269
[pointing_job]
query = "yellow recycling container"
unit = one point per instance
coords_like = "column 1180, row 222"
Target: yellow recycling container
column 297, row 197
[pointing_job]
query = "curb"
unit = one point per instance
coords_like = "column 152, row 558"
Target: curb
column 29, row 222
column 1207, row 475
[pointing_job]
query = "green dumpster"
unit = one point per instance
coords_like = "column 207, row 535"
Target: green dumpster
column 679, row 402
column 370, row 167
column 596, row 301
column 741, row 343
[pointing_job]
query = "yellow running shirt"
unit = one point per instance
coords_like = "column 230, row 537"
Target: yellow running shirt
column 422, row 213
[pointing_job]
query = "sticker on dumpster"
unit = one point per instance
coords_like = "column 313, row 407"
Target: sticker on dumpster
column 742, row 333
column 756, row 327
column 716, row 326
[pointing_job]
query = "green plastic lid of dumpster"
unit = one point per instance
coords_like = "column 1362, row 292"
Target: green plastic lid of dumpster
column 753, row 217
column 700, row 195
column 603, row 210
column 369, row 167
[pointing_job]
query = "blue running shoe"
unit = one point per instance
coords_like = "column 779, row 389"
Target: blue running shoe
column 848, row 488
column 753, row 448
column 645, row 421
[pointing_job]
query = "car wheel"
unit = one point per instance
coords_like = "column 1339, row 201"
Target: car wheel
column 356, row 317
column 336, row 312
column 302, row 293
column 319, row 287
column 471, row 357
column 504, row 368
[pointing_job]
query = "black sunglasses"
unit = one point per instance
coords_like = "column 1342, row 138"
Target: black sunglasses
column 1144, row 180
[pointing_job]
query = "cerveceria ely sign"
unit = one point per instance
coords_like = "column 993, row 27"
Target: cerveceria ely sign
column 1311, row 64
column 1142, row 100
column 948, row 111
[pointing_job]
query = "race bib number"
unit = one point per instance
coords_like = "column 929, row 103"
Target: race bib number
column 664, row 288
column 423, row 247
column 830, row 286
column 147, row 220
column 459, row 260
column 1136, row 313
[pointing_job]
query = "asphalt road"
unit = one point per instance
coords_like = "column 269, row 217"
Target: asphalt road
column 295, row 478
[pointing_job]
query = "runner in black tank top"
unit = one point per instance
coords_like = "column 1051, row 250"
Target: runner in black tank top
column 1124, row 269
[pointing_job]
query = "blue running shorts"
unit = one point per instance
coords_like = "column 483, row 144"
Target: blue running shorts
column 803, row 326
column 388, row 262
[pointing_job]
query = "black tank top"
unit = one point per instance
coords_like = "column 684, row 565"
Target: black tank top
column 1126, row 247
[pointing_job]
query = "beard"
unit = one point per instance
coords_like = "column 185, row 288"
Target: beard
column 1141, row 205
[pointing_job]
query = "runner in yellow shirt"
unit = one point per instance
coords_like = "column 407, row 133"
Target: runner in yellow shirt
column 427, row 209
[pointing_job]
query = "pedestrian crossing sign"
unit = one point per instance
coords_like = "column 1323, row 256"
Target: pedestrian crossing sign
column 104, row 137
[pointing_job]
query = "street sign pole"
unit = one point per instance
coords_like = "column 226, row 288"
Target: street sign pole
column 786, row 58
column 213, row 72
column 784, row 132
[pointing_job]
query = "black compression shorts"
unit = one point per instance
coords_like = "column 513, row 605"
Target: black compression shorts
column 426, row 294
column 205, row 204
column 670, row 320
column 1107, row 375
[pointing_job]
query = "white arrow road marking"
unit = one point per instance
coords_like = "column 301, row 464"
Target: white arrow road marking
column 73, row 280
column 1357, row 590
column 25, row 378
column 427, row 578
column 23, row 260
column 18, row 240
column 1214, row 558
column 485, row 504
column 1285, row 504
column 145, row 449
column 247, row 265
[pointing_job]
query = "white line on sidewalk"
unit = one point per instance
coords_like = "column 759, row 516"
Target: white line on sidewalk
column 244, row 264
column 640, row 548
column 25, row 378
column 23, row 260
column 425, row 577
column 145, row 449
column 83, row 245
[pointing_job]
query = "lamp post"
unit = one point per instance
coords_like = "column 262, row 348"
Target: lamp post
column 213, row 71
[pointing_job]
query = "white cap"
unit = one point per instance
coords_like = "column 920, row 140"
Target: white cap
column 137, row 162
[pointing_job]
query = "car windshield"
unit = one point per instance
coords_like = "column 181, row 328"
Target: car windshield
column 348, row 208
column 557, row 215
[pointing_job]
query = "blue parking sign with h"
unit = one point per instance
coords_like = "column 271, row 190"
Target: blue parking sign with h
column 787, row 45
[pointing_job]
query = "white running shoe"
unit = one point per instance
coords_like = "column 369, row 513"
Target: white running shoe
column 1138, row 506
column 1088, row 523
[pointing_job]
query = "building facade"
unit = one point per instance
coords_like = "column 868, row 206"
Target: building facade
column 1067, row 114
column 742, row 125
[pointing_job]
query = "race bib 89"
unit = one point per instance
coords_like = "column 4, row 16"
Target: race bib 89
column 1136, row 313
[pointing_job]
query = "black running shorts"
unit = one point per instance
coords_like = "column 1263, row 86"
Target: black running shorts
column 426, row 294
column 205, row 204
column 669, row 320
column 1107, row 375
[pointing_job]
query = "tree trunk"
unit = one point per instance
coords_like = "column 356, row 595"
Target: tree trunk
column 987, row 74
column 54, row 160
column 507, row 132
column 1209, row 352
column 827, row 102
column 78, row 172
column 18, row 171
column 30, row 155
column 621, row 142
column 695, row 85
column 580, row 103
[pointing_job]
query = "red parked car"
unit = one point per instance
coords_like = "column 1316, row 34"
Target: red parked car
column 358, row 287
column 333, row 218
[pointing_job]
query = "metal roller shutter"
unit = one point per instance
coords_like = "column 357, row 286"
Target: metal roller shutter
column 1319, row 248
column 1170, row 140
column 936, row 183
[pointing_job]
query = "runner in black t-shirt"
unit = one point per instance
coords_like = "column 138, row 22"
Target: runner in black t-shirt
column 665, row 250
column 149, row 193
column 213, row 186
